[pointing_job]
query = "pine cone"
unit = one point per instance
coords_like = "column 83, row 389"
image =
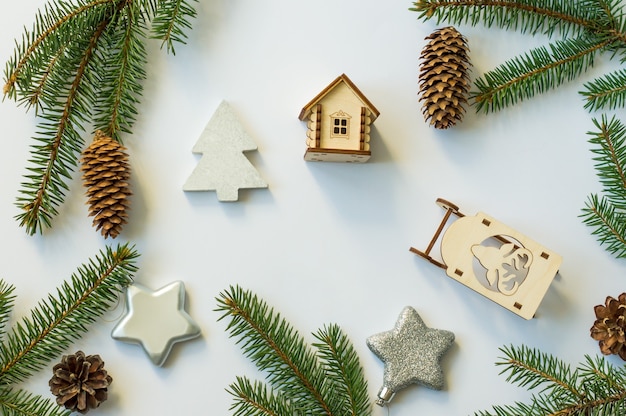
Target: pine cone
column 610, row 326
column 80, row 382
column 105, row 175
column 444, row 79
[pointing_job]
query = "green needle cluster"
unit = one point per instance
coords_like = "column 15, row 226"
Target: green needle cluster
column 326, row 380
column 606, row 213
column 57, row 321
column 82, row 63
column 578, row 30
column 583, row 28
column 593, row 388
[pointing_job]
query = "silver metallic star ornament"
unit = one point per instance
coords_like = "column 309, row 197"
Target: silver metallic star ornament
column 412, row 353
column 156, row 320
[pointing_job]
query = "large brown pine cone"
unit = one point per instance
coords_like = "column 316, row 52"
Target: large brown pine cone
column 610, row 326
column 444, row 79
column 80, row 382
column 106, row 173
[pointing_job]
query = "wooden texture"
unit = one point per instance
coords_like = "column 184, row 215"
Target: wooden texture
column 494, row 260
column 338, row 123
column 336, row 155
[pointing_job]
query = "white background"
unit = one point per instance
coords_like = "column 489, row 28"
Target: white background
column 326, row 242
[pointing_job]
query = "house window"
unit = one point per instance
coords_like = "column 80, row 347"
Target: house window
column 339, row 125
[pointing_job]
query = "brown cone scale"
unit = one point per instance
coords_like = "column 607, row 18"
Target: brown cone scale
column 444, row 79
column 609, row 328
column 106, row 174
column 80, row 382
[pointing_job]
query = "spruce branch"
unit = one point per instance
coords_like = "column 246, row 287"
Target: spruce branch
column 254, row 399
column 606, row 378
column 48, row 31
column 62, row 317
column 7, row 301
column 565, row 17
column 532, row 368
column 22, row 403
column 586, row 27
column 59, row 140
column 54, row 323
column 592, row 388
column 343, row 369
column 171, row 22
column 608, row 91
column 535, row 72
column 606, row 213
column 328, row 381
column 82, row 64
column 609, row 224
column 120, row 86
column 609, row 149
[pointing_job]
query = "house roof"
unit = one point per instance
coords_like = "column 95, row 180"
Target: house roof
column 330, row 87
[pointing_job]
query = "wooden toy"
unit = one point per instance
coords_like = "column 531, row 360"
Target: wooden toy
column 494, row 260
column 338, row 121
column 223, row 167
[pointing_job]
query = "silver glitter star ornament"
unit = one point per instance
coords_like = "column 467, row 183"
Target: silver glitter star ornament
column 156, row 320
column 412, row 354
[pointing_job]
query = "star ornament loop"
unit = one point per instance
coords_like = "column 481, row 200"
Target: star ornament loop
column 412, row 354
column 156, row 320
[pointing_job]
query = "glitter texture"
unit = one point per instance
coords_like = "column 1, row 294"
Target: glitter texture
column 412, row 354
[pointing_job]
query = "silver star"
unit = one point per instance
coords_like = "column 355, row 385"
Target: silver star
column 156, row 320
column 411, row 353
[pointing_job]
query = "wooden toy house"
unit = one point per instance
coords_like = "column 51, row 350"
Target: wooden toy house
column 494, row 260
column 339, row 119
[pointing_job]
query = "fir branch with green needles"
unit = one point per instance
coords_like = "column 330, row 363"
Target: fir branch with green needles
column 537, row 71
column 586, row 28
column 327, row 380
column 82, row 64
column 593, row 388
column 608, row 91
column 606, row 213
column 57, row 321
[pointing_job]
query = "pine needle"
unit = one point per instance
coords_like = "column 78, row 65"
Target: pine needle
column 62, row 317
column 343, row 369
column 593, row 388
column 563, row 17
column 51, row 327
column 22, row 403
column 587, row 28
column 535, row 72
column 254, row 399
column 606, row 92
column 80, row 65
column 172, row 21
column 301, row 381
column 609, row 224
column 606, row 213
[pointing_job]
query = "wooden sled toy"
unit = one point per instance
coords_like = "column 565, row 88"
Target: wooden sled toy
column 494, row 260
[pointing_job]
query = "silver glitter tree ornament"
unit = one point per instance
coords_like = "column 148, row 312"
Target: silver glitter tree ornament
column 412, row 354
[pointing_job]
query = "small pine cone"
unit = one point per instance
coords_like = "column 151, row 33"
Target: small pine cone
column 80, row 382
column 106, row 172
column 444, row 79
column 610, row 326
